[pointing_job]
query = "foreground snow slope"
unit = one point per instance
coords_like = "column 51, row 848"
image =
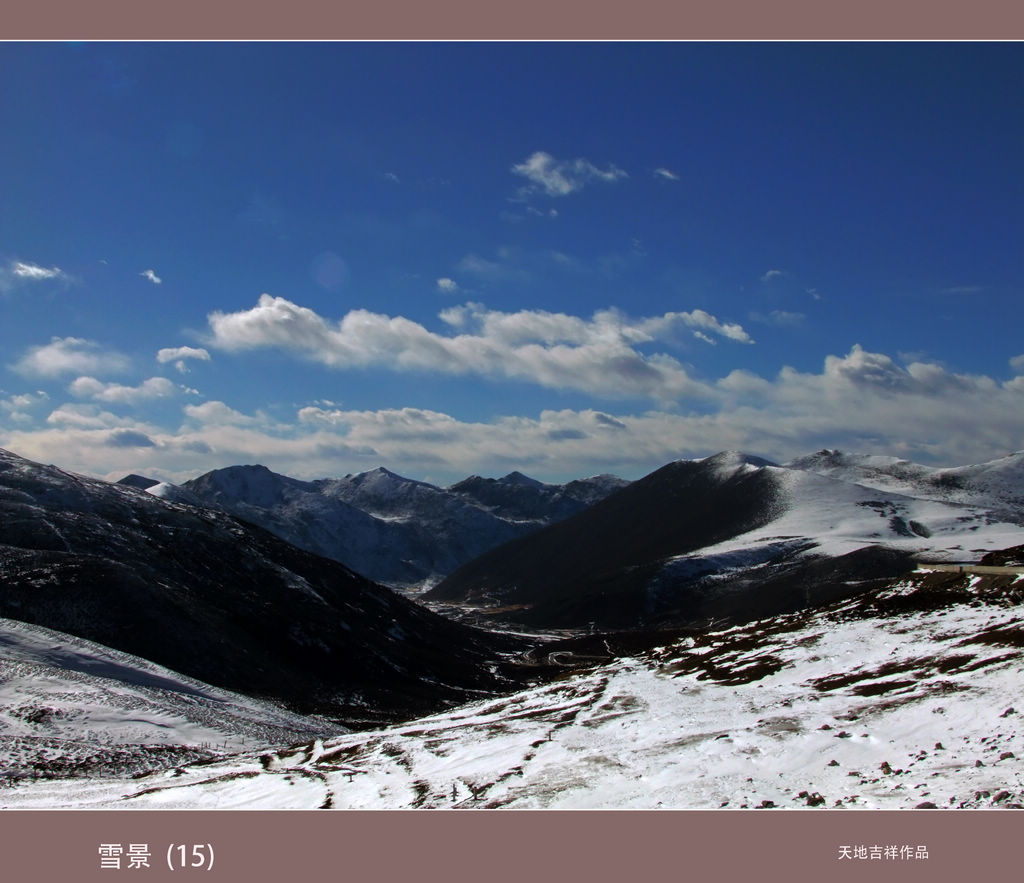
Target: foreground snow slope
column 70, row 707
column 904, row 696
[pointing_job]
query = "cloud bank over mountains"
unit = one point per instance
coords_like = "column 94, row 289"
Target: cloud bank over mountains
column 648, row 407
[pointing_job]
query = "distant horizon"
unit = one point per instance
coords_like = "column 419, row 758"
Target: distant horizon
column 564, row 259
column 117, row 476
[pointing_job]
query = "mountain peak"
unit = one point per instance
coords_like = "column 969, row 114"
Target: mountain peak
column 517, row 478
column 730, row 462
column 138, row 481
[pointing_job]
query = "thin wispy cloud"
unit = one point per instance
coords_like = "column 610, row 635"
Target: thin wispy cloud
column 553, row 177
column 447, row 286
column 34, row 273
column 772, row 274
column 17, row 273
column 779, row 318
column 666, row 174
column 151, row 276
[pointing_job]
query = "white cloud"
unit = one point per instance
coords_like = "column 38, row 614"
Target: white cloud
column 16, row 407
column 554, row 177
column 391, row 176
column 556, row 350
column 772, row 274
column 1017, row 363
column 17, row 273
column 175, row 353
column 86, row 417
column 151, row 276
column 70, row 355
column 178, row 355
column 218, row 413
column 116, row 393
column 35, row 273
column 667, row 174
column 446, row 285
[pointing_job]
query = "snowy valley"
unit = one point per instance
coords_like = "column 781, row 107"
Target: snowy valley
column 725, row 633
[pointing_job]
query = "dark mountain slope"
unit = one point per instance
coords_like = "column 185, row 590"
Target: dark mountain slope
column 223, row 601
column 597, row 565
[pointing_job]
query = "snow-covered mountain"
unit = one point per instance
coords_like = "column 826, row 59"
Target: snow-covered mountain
column 906, row 696
column 997, row 485
column 225, row 602
column 729, row 535
column 397, row 531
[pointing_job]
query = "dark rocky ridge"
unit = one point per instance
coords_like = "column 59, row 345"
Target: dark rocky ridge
column 598, row 566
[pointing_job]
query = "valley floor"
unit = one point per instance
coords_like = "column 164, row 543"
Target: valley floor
column 909, row 697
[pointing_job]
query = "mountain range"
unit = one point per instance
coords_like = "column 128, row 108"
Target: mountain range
column 737, row 536
column 402, row 533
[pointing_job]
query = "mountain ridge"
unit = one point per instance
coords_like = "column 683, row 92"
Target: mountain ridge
column 222, row 600
column 730, row 534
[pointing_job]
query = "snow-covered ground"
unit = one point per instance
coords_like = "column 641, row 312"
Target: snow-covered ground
column 69, row 707
column 997, row 485
column 905, row 697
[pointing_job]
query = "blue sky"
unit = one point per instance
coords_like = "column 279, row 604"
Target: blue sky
column 456, row 258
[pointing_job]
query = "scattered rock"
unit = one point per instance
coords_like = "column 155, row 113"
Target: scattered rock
column 885, row 768
column 980, row 795
column 979, row 763
column 1001, row 796
column 926, row 805
column 767, row 804
column 835, row 762
column 825, row 727
column 1006, row 755
column 1008, row 712
column 939, row 746
column 842, row 734
column 815, row 799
